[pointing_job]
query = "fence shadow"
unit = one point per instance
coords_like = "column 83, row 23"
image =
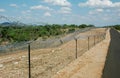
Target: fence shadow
column 112, row 64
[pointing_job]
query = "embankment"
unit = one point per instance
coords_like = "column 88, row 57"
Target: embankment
column 90, row 64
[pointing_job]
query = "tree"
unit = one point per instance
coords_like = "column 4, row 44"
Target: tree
column 82, row 26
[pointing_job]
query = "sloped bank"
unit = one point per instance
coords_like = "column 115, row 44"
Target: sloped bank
column 90, row 64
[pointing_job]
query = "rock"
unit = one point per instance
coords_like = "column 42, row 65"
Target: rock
column 59, row 49
column 35, row 58
column 16, row 62
column 23, row 56
column 1, row 65
column 53, row 51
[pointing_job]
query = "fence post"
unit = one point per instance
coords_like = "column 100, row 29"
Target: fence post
column 76, row 48
column 29, row 63
column 61, row 41
column 99, row 37
column 104, row 35
column 88, row 43
column 94, row 40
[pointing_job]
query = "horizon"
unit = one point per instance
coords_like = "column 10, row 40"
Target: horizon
column 43, row 24
column 95, row 12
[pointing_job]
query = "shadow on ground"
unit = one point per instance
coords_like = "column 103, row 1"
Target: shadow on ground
column 112, row 64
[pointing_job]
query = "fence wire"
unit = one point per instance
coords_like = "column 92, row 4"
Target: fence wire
column 47, row 56
column 41, row 43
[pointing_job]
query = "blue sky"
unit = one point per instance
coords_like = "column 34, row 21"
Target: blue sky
column 97, row 12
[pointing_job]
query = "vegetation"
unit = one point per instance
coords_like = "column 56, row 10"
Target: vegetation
column 32, row 32
column 117, row 27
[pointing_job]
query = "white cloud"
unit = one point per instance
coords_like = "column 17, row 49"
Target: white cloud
column 59, row 2
column 38, row 7
column 47, row 14
column 65, row 10
column 99, row 10
column 96, row 11
column 100, row 3
column 117, row 4
column 2, row 10
column 13, row 5
column 26, row 12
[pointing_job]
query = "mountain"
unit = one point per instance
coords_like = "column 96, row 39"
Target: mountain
column 12, row 24
column 5, row 23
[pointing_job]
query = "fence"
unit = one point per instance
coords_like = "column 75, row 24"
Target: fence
column 47, row 60
column 41, row 43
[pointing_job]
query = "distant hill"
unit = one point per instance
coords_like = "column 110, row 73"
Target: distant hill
column 12, row 24
column 5, row 23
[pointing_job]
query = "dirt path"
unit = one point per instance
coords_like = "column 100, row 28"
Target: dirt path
column 89, row 65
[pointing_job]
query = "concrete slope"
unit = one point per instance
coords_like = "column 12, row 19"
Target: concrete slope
column 112, row 64
column 90, row 64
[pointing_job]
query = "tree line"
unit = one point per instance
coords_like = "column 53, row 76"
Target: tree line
column 32, row 32
column 117, row 27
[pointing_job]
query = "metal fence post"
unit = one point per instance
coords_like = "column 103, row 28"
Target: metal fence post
column 104, row 35
column 97, row 39
column 29, row 63
column 94, row 40
column 88, row 43
column 100, row 37
column 76, row 48
column 61, row 41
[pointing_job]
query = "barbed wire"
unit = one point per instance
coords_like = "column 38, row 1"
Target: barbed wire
column 4, row 17
column 40, row 43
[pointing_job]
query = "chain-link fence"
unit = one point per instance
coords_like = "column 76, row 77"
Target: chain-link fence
column 41, row 43
column 48, row 56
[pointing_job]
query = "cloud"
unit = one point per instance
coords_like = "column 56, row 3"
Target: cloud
column 99, row 10
column 38, row 7
column 59, row 2
column 47, row 14
column 100, row 3
column 14, row 5
column 2, row 10
column 65, row 10
column 96, row 11
column 26, row 12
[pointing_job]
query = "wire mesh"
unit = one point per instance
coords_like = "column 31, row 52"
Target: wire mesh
column 47, row 56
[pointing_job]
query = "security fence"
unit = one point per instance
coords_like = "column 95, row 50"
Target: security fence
column 41, row 43
column 47, row 57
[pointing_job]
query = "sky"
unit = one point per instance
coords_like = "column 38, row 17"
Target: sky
column 96, row 12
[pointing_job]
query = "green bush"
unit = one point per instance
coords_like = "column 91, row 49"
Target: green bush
column 30, row 32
